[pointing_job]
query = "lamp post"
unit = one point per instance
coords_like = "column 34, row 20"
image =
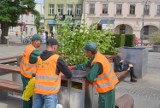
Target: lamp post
column 142, row 32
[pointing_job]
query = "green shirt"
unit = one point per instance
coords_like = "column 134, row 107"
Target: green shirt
column 106, row 100
column 93, row 72
column 34, row 56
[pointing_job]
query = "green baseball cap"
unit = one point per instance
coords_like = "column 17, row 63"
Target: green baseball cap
column 91, row 46
column 35, row 37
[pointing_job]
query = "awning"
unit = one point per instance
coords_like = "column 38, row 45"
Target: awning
column 54, row 22
column 106, row 21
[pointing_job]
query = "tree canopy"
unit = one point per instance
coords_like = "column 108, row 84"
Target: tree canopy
column 10, row 10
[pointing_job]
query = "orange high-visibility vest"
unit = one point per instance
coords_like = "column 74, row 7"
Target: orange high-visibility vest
column 107, row 80
column 26, row 68
column 46, row 80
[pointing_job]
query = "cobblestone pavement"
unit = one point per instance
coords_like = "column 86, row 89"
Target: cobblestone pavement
column 146, row 92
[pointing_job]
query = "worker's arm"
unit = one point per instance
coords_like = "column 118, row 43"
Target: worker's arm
column 94, row 71
column 33, row 56
column 62, row 67
column 83, row 66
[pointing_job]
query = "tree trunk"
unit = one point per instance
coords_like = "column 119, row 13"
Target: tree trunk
column 5, row 28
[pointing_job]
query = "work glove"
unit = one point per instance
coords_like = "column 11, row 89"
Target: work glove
column 71, row 67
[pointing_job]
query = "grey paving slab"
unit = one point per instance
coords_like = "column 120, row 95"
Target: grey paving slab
column 146, row 92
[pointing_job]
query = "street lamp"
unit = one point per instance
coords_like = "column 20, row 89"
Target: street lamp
column 142, row 32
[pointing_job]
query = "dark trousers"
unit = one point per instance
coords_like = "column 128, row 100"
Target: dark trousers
column 132, row 73
column 26, row 104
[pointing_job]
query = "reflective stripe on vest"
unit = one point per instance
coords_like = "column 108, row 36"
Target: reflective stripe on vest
column 27, row 72
column 106, row 75
column 26, row 68
column 107, row 83
column 47, row 78
column 107, row 80
column 47, row 81
column 28, row 65
column 47, row 87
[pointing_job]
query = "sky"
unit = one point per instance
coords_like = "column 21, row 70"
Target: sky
column 39, row 1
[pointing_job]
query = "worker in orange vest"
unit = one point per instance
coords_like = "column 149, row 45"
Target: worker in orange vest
column 100, row 74
column 27, row 66
column 48, row 76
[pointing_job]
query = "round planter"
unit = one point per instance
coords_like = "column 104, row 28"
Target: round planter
column 156, row 48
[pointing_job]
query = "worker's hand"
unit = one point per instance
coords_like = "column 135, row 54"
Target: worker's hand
column 122, row 61
column 71, row 67
column 88, row 68
column 128, row 69
column 61, row 74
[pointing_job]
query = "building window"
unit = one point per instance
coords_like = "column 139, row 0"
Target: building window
column 105, row 9
column 60, row 9
column 92, row 8
column 158, row 9
column 70, row 9
column 122, row 29
column 146, row 9
column 78, row 9
column 119, row 9
column 51, row 9
column 132, row 9
column 146, row 30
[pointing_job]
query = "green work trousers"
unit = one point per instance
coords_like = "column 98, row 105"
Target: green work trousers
column 107, row 100
column 26, row 104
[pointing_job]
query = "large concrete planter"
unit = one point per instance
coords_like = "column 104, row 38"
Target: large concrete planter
column 77, row 92
column 156, row 48
column 138, row 56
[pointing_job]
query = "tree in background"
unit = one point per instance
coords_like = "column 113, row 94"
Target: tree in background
column 10, row 10
column 37, row 20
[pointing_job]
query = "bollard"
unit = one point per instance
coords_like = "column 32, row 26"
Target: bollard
column 7, row 38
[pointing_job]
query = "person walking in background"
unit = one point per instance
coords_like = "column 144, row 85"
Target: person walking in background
column 136, row 41
column 52, row 34
column 100, row 74
column 48, row 76
column 46, row 35
column 43, row 37
column 27, row 66
column 120, row 66
column 17, row 33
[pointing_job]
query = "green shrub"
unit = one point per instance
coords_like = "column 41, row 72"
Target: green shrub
column 73, row 38
column 119, row 40
column 130, row 40
column 155, row 38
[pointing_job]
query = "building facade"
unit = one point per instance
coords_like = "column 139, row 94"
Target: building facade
column 26, row 26
column 40, row 8
column 125, row 16
column 58, row 9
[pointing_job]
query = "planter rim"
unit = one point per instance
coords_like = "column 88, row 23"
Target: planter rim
column 133, row 48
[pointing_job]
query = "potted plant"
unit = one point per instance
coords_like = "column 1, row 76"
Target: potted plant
column 74, row 36
column 154, row 39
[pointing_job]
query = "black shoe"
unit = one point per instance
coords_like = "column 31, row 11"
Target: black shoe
column 133, row 80
column 135, row 77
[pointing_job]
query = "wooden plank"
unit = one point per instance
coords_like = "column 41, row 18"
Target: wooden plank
column 8, row 61
column 10, row 85
column 9, row 68
column 12, row 57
